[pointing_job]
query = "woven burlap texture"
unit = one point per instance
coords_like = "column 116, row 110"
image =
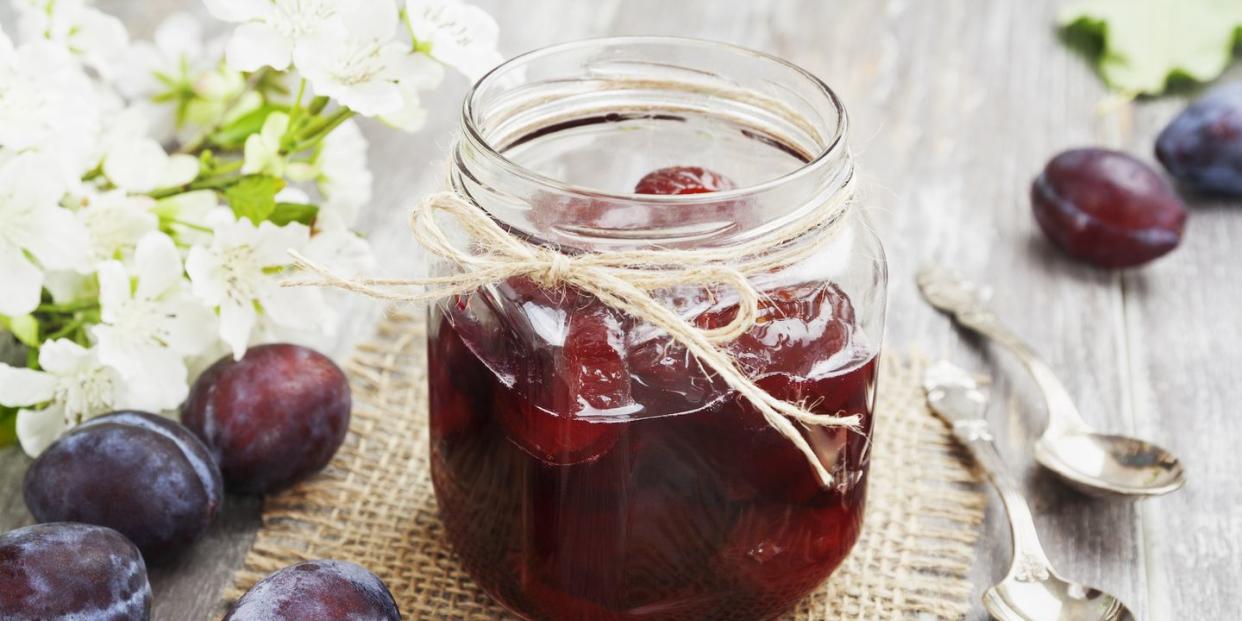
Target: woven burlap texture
column 374, row 504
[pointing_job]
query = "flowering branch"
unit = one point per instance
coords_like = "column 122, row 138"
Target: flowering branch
column 150, row 191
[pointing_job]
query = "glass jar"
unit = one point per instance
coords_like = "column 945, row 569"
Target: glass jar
column 585, row 465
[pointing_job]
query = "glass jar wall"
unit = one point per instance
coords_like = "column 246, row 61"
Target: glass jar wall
column 585, row 465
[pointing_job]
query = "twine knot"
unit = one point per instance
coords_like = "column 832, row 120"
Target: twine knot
column 624, row 280
column 556, row 269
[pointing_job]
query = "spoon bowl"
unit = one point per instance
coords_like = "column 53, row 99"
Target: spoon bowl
column 1101, row 464
column 1032, row 590
column 1028, row 598
column 1096, row 463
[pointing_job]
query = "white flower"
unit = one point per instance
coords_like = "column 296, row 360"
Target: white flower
column 343, row 249
column 239, row 275
column 411, row 116
column 115, row 222
column 271, row 30
column 140, row 165
column 99, row 39
column 263, row 149
column 173, row 58
column 149, row 328
column 31, row 221
column 343, row 177
column 47, row 105
column 73, row 385
column 460, row 35
column 185, row 216
column 360, row 65
column 179, row 80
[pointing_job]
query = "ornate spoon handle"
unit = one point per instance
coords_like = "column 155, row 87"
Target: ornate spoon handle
column 964, row 302
column 954, row 396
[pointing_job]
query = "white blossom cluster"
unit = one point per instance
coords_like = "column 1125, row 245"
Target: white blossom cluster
column 150, row 190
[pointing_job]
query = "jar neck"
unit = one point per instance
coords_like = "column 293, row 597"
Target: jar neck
column 546, row 134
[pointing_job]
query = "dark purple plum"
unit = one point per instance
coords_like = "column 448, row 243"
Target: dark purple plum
column 1202, row 146
column 144, row 475
column 1107, row 208
column 273, row 418
column 317, row 591
column 73, row 572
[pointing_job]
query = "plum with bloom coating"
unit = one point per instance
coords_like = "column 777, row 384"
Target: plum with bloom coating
column 141, row 474
column 317, row 591
column 72, row 571
column 1202, row 146
column 273, row 418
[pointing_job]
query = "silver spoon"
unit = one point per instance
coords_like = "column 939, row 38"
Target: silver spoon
column 1032, row 590
column 1093, row 462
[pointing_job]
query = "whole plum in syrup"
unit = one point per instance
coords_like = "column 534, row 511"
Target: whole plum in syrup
column 141, row 474
column 273, row 418
column 1107, row 208
column 611, row 478
column 1202, row 146
column 317, row 591
column 71, row 571
column 683, row 180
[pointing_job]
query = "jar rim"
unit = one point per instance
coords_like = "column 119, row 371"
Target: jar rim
column 824, row 157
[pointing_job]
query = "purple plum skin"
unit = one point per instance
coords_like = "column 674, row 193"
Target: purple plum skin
column 72, row 571
column 271, row 419
column 143, row 475
column 1107, row 208
column 1202, row 146
column 317, row 591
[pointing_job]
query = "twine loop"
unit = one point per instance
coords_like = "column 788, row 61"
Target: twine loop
column 623, row 280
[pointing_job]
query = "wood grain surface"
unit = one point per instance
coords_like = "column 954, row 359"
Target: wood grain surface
column 955, row 105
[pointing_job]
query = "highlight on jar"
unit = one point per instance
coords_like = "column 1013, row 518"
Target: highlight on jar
column 664, row 410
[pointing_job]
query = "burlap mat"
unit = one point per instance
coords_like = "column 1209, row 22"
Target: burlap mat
column 374, row 504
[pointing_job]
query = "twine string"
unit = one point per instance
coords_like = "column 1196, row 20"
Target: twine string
column 623, row 280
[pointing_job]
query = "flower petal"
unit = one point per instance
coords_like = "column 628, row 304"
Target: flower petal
column 371, row 20
column 274, row 242
column 24, row 387
column 237, row 319
column 114, row 289
column 58, row 239
column 237, row 10
column 181, row 34
column 300, row 308
column 136, row 165
column 158, row 264
column 206, row 281
column 255, row 45
column 64, row 357
column 180, row 170
column 155, row 378
column 21, row 285
column 188, row 325
column 38, row 429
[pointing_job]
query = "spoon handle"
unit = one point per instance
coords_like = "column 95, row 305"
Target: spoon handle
column 964, row 302
column 955, row 397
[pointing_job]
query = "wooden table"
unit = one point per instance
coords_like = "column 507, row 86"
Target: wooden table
column 955, row 105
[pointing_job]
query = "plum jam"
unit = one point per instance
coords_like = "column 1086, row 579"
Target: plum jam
column 566, row 505
column 586, row 465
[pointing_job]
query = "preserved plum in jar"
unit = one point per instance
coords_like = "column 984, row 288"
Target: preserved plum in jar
column 586, row 464
column 568, row 504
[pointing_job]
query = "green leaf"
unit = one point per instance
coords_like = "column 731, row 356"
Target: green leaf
column 24, row 327
column 234, row 134
column 8, row 426
column 1141, row 44
column 294, row 212
column 254, row 196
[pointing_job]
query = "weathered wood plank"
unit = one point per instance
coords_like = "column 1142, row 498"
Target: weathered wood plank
column 955, row 105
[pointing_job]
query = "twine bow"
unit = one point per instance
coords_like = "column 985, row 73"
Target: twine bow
column 623, row 280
